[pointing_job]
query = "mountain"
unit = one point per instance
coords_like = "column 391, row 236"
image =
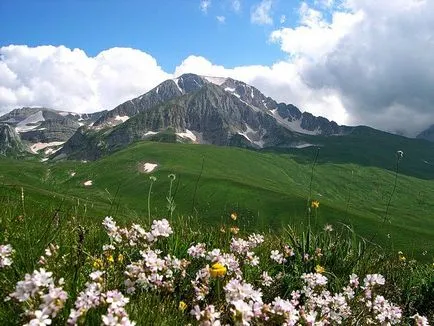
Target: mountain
column 199, row 109
column 10, row 142
column 46, row 129
column 427, row 134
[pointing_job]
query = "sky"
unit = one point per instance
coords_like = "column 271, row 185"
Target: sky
column 353, row 61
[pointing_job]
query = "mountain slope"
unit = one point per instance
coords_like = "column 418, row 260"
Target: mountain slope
column 208, row 110
column 209, row 115
column 268, row 190
column 164, row 92
column 46, row 129
column 10, row 142
column 427, row 134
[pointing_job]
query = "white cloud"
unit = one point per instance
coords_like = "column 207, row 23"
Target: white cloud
column 281, row 81
column 375, row 56
column 204, row 5
column 62, row 78
column 325, row 3
column 261, row 13
column 236, row 5
column 221, row 19
column 283, row 19
column 364, row 62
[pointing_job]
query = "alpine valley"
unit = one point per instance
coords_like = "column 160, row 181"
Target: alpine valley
column 231, row 148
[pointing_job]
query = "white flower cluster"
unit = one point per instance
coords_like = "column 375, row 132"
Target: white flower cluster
column 41, row 296
column 93, row 296
column 6, row 252
column 207, row 316
column 136, row 235
column 224, row 287
column 153, row 272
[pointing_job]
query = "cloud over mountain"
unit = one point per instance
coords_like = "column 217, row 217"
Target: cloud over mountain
column 375, row 56
column 63, row 78
column 353, row 61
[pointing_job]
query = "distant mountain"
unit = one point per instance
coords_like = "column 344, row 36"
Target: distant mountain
column 427, row 134
column 198, row 109
column 10, row 142
column 46, row 129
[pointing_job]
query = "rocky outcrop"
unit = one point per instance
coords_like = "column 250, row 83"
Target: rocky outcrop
column 10, row 142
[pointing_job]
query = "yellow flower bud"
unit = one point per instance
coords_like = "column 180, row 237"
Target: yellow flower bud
column 217, row 270
column 110, row 259
column 315, row 204
column 182, row 306
column 97, row 263
column 319, row 269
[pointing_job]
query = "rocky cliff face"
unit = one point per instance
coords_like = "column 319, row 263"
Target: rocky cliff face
column 10, row 142
column 219, row 111
column 164, row 92
column 45, row 129
column 190, row 108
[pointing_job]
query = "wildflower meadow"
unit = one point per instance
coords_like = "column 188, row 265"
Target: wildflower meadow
column 176, row 272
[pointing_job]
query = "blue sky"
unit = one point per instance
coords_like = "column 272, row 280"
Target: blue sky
column 351, row 61
column 169, row 30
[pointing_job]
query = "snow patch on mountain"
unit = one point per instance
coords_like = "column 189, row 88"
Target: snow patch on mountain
column 30, row 123
column 305, row 145
column 35, row 148
column 149, row 167
column 252, row 136
column 122, row 118
column 150, row 133
column 294, row 125
column 215, row 80
column 176, row 80
column 187, row 134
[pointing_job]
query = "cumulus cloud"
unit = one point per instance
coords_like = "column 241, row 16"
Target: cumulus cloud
column 261, row 13
column 221, row 19
column 62, row 78
column 236, row 5
column 204, row 5
column 356, row 62
column 282, row 81
column 375, row 56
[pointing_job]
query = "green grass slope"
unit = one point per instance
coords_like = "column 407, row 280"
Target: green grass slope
column 268, row 190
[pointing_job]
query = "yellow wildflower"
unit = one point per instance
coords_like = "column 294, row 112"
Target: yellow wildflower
column 120, row 258
column 97, row 263
column 222, row 229
column 234, row 216
column 217, row 270
column 110, row 259
column 401, row 256
column 315, row 204
column 319, row 269
column 182, row 306
column 235, row 229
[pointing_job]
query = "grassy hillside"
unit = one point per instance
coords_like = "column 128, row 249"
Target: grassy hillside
column 268, row 190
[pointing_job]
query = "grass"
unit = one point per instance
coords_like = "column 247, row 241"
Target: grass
column 80, row 237
column 267, row 189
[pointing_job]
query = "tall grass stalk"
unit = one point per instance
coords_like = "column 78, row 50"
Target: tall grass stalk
column 152, row 179
column 399, row 155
